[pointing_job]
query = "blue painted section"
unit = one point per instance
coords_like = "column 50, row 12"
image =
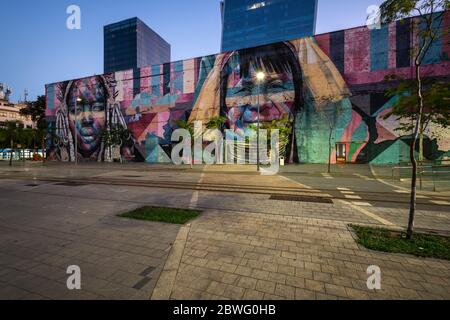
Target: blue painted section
column 51, row 94
column 156, row 80
column 379, row 49
column 434, row 53
column 178, row 80
column 206, row 65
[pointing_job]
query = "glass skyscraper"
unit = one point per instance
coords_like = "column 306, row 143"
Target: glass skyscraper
column 252, row 23
column 131, row 44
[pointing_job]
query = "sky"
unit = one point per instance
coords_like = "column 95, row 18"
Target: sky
column 37, row 48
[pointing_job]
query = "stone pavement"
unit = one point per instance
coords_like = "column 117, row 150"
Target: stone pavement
column 230, row 255
column 45, row 229
column 245, row 246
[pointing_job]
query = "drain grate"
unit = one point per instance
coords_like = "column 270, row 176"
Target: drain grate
column 32, row 185
column 70, row 184
column 286, row 197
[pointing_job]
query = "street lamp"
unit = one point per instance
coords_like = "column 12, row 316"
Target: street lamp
column 260, row 76
column 77, row 99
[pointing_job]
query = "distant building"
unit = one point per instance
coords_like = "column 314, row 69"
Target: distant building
column 252, row 23
column 10, row 111
column 131, row 44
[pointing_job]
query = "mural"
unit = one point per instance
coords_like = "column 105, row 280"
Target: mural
column 338, row 76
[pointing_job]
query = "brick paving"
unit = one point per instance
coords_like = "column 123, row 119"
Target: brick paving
column 265, row 256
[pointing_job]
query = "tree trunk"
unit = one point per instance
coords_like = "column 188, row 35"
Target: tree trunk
column 43, row 149
column 329, row 150
column 421, row 158
column 412, row 208
column 11, row 152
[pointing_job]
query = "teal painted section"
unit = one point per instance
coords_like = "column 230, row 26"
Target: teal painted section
column 390, row 155
column 155, row 154
column 312, row 130
column 379, row 42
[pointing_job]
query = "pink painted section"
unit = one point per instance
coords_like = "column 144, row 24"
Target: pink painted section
column 333, row 157
column 146, row 79
column 378, row 76
column 392, row 52
column 357, row 50
column 128, row 86
column 323, row 41
column 161, row 81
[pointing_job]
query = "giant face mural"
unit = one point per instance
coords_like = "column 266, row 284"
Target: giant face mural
column 87, row 117
column 279, row 94
column 341, row 73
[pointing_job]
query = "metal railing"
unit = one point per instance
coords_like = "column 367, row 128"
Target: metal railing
column 425, row 170
column 410, row 168
column 433, row 175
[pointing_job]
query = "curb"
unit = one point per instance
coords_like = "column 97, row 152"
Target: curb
column 166, row 281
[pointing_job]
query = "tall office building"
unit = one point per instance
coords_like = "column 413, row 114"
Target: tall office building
column 132, row 44
column 251, row 23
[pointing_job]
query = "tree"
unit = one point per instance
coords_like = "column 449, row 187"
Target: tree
column 436, row 98
column 114, row 136
column 3, row 138
column 392, row 10
column 11, row 133
column 285, row 129
column 25, row 138
column 36, row 110
column 330, row 110
column 216, row 123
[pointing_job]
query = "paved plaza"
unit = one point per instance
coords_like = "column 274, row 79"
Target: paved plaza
column 248, row 244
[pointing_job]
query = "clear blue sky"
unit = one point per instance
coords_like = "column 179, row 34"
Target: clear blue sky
column 36, row 47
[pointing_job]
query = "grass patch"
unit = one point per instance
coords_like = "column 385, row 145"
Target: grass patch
column 159, row 214
column 422, row 245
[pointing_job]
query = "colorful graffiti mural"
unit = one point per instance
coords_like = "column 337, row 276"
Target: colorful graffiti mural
column 340, row 73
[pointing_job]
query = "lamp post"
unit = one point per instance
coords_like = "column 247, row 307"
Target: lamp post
column 77, row 99
column 260, row 76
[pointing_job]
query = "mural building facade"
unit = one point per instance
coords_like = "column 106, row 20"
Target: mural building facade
column 332, row 81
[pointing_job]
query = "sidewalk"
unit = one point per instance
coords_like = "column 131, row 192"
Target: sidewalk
column 244, row 246
column 252, row 256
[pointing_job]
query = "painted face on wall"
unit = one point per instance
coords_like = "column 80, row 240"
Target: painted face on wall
column 275, row 95
column 89, row 119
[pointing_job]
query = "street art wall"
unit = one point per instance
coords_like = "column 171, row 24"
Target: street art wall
column 313, row 85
